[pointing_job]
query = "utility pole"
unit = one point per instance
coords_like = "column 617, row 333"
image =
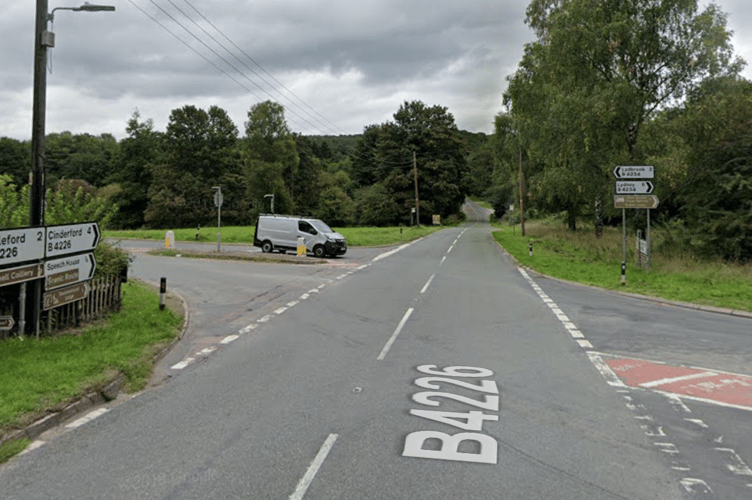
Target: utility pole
column 42, row 40
column 417, row 205
column 522, row 195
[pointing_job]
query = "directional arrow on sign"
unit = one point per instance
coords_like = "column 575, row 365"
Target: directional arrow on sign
column 636, row 201
column 634, row 187
column 69, row 270
column 633, row 172
column 71, row 238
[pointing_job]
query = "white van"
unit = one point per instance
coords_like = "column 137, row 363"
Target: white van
column 281, row 232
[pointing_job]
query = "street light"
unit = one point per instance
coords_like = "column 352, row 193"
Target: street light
column 272, row 197
column 43, row 39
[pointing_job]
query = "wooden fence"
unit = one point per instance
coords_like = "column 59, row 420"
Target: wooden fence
column 104, row 297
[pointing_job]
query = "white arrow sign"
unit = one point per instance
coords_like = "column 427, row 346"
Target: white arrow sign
column 21, row 245
column 71, row 238
column 69, row 270
column 633, row 172
column 634, row 187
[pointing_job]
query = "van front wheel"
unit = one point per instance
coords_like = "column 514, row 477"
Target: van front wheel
column 319, row 251
column 267, row 247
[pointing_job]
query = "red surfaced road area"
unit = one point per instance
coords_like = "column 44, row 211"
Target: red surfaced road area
column 724, row 388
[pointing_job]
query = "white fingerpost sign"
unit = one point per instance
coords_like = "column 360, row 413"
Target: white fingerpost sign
column 71, row 238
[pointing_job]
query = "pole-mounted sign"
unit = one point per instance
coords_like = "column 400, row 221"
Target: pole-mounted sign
column 63, row 296
column 21, row 245
column 642, row 172
column 69, row 270
column 636, row 201
column 634, row 187
column 71, row 238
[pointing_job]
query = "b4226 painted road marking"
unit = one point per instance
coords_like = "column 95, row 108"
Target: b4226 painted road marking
column 467, row 421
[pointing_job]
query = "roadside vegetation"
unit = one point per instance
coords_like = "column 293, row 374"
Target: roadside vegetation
column 355, row 236
column 44, row 374
column 674, row 275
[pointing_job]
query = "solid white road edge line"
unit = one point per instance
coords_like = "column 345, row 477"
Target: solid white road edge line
column 394, row 335
column 306, row 480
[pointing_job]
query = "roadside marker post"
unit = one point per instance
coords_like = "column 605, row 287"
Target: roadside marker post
column 162, row 292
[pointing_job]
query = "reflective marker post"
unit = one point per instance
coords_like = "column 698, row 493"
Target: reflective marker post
column 162, row 292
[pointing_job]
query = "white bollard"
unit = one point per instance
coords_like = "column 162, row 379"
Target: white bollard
column 169, row 240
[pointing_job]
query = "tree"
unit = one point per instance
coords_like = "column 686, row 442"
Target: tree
column 716, row 198
column 133, row 172
column 597, row 72
column 15, row 159
column 200, row 150
column 271, row 157
column 385, row 155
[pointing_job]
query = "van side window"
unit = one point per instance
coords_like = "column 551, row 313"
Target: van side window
column 305, row 227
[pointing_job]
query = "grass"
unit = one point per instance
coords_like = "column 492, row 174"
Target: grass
column 355, row 236
column 13, row 447
column 37, row 375
column 578, row 256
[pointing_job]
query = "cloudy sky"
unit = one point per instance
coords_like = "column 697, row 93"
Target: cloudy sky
column 336, row 66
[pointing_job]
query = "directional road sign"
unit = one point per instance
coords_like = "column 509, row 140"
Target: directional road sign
column 634, row 187
column 21, row 274
column 65, row 295
column 71, row 238
column 22, row 244
column 69, row 270
column 6, row 322
column 636, row 201
column 633, row 172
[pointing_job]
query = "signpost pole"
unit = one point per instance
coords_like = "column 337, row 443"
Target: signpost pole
column 624, row 246
column 647, row 268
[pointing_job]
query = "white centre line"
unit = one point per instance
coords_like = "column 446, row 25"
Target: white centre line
column 280, row 310
column 428, row 283
column 293, row 303
column 394, row 335
column 229, row 338
column 306, row 480
column 442, row 260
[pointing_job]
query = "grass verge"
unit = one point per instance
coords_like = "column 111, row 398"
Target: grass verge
column 13, row 447
column 41, row 375
column 580, row 257
column 355, row 236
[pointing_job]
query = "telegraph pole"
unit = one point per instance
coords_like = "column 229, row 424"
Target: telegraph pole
column 417, row 205
column 42, row 40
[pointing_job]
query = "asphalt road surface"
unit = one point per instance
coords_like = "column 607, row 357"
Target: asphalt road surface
column 430, row 370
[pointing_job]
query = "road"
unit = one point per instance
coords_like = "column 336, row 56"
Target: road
column 431, row 370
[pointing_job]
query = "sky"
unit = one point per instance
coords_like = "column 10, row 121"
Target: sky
column 336, row 66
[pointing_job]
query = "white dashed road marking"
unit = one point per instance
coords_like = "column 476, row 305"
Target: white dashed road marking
column 88, row 418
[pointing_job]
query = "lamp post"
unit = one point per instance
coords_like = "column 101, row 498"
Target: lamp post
column 43, row 40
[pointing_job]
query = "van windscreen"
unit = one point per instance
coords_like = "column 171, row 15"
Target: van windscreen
column 320, row 226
